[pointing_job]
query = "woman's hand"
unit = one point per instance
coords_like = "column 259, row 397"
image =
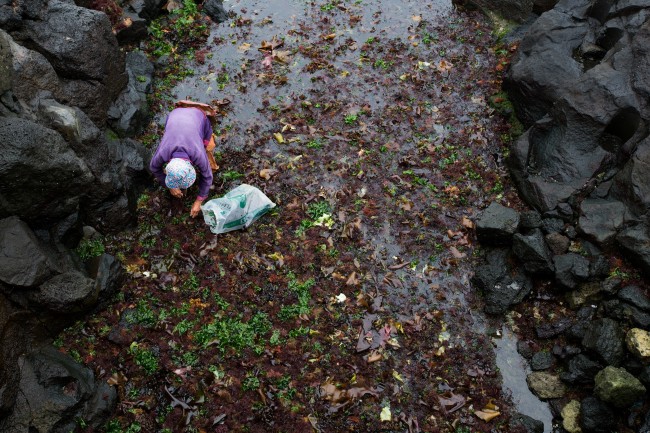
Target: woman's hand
column 176, row 192
column 196, row 208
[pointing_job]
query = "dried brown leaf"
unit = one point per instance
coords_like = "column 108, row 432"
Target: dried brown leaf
column 282, row 56
column 450, row 402
column 457, row 254
column 352, row 279
column 487, row 414
column 374, row 357
column 267, row 173
column 117, row 379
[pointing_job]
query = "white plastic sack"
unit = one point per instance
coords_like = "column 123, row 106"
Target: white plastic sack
column 237, row 209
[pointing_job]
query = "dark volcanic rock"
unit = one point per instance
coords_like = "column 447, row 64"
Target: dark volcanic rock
column 134, row 30
column 601, row 219
column 564, row 352
column 54, row 391
column 626, row 312
column 530, row 425
column 531, row 249
column 635, row 242
column 109, row 276
column 25, row 262
column 525, row 349
column 579, row 82
column 148, row 9
column 214, row 9
column 6, row 62
column 599, row 267
column 596, row 416
column 553, row 329
column 530, row 220
column 557, row 243
column 580, row 370
column 62, row 32
column 541, row 361
column 552, row 225
column 570, row 269
column 513, row 10
column 130, row 112
column 506, row 292
column 605, row 338
column 70, row 292
column 497, row 224
column 54, row 173
column 635, row 296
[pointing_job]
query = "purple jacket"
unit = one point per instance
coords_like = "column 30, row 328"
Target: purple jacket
column 187, row 132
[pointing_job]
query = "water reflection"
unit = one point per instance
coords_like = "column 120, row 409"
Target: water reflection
column 514, row 369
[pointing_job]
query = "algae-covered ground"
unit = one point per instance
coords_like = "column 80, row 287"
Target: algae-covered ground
column 377, row 129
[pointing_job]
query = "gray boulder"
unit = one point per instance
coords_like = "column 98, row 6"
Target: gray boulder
column 636, row 296
column 570, row 270
column 596, row 416
column 626, row 312
column 580, row 370
column 520, row 421
column 25, row 263
column 606, row 339
column 214, row 9
column 54, row 392
column 532, row 251
column 41, row 178
column 497, row 225
column 579, row 82
column 62, row 33
column 602, row 219
column 618, row 387
column 148, row 9
column 6, row 63
column 635, row 243
column 108, row 275
column 32, row 73
column 505, row 293
column 512, row 10
column 70, row 292
column 545, row 385
column 544, row 65
column 129, row 113
column 62, row 119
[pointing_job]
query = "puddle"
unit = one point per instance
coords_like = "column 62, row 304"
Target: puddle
column 514, row 369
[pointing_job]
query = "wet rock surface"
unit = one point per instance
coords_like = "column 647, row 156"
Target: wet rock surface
column 618, row 387
column 546, row 385
column 596, row 416
column 53, row 388
column 60, row 70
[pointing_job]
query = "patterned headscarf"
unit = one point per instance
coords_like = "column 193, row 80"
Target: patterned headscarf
column 180, row 174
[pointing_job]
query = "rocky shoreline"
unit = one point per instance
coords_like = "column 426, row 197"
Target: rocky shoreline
column 71, row 97
column 579, row 85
